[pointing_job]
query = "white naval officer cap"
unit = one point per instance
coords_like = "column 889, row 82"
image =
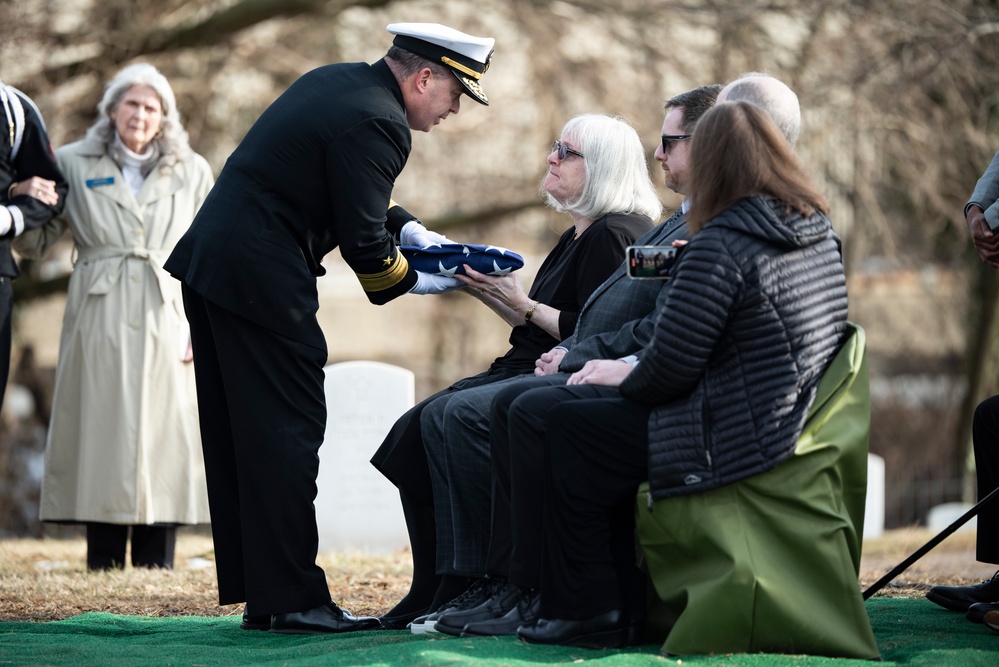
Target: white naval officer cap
column 466, row 55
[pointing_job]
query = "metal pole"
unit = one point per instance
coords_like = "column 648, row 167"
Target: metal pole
column 921, row 551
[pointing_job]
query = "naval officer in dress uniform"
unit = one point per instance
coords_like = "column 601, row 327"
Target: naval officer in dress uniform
column 315, row 172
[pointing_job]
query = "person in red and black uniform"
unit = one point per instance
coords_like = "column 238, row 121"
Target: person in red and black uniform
column 315, row 172
column 32, row 191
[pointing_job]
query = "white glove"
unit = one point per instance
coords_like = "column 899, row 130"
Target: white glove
column 6, row 220
column 415, row 234
column 428, row 283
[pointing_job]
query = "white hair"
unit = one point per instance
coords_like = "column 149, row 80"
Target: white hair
column 772, row 95
column 617, row 173
column 171, row 140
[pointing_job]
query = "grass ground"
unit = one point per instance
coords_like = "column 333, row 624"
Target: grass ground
column 46, row 580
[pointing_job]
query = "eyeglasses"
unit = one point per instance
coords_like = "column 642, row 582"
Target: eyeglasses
column 563, row 150
column 669, row 139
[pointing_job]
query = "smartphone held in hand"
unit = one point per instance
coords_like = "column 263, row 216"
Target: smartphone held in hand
column 650, row 261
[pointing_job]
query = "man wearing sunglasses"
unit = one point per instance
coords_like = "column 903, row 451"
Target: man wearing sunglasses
column 614, row 324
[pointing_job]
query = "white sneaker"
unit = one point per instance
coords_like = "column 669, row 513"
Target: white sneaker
column 480, row 591
column 427, row 623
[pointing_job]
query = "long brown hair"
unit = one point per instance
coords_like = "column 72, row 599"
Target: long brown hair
column 737, row 151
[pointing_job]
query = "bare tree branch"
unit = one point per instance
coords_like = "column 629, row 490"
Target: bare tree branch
column 217, row 28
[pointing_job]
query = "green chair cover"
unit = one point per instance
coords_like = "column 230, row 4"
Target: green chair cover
column 771, row 563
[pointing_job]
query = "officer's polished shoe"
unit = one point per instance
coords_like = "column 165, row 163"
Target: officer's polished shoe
column 992, row 620
column 959, row 598
column 976, row 612
column 327, row 618
column 254, row 621
column 605, row 630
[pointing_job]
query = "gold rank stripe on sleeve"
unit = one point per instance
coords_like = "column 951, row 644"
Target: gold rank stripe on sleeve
column 376, row 282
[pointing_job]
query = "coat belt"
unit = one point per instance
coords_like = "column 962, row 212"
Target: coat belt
column 112, row 273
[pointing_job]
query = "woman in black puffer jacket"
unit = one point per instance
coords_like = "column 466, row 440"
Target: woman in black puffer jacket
column 755, row 313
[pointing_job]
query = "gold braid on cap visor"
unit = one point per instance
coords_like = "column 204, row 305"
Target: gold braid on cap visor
column 376, row 282
column 461, row 68
column 474, row 87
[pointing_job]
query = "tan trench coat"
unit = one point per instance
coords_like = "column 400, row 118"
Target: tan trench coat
column 124, row 443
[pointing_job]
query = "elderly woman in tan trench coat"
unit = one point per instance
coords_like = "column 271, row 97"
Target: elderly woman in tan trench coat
column 124, row 449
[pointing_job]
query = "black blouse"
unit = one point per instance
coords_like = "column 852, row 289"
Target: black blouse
column 570, row 273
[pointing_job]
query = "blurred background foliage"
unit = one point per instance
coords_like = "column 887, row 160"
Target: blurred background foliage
column 899, row 101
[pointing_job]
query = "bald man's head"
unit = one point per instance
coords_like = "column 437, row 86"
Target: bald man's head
column 772, row 95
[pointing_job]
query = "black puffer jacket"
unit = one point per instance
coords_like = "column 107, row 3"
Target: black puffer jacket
column 756, row 311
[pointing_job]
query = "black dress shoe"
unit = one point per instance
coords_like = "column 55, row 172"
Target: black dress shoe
column 328, row 618
column 634, row 632
column 976, row 612
column 525, row 612
column 606, row 630
column 959, row 598
column 504, row 598
column 478, row 592
column 400, row 622
column 253, row 622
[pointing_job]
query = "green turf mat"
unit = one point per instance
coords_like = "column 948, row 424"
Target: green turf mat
column 910, row 633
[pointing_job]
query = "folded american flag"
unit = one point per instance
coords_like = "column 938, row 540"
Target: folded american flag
column 449, row 258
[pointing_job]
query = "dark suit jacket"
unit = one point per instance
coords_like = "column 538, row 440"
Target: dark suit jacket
column 600, row 333
column 34, row 158
column 313, row 173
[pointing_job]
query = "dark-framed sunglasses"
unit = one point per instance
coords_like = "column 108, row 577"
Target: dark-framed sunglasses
column 670, row 139
column 563, row 150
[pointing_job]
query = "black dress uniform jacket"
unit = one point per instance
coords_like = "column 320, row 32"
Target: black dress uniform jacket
column 314, row 172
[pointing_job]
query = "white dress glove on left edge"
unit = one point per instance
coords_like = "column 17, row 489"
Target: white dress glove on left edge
column 428, row 283
column 6, row 220
column 415, row 234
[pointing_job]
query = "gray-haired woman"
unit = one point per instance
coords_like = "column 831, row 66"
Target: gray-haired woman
column 124, row 448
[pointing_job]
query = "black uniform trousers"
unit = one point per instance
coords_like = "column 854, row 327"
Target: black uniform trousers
column 577, row 456
column 985, row 435
column 263, row 418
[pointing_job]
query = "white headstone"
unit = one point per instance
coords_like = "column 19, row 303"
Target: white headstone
column 874, row 510
column 357, row 509
column 943, row 515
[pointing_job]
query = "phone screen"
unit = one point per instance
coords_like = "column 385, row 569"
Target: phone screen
column 650, row 261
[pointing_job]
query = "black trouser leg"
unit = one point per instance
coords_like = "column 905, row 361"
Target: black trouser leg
column 985, row 433
column 597, row 455
column 153, row 546
column 106, row 544
column 517, row 441
column 423, row 543
column 263, row 417
column 6, row 304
